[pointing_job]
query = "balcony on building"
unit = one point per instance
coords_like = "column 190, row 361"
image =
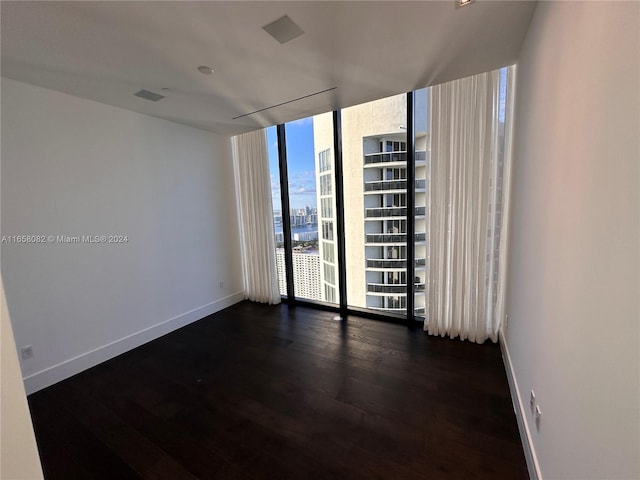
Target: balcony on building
column 392, row 264
column 399, row 158
column 390, row 238
column 395, row 288
column 391, row 186
column 380, row 213
column 400, row 311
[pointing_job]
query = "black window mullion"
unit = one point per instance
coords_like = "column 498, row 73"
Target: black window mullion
column 411, row 218
column 339, row 196
column 286, row 218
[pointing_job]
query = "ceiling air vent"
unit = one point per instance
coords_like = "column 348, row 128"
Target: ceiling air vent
column 283, row 29
column 147, row 95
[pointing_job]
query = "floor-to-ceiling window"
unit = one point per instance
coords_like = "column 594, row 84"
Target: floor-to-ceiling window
column 311, row 189
column 327, row 208
column 374, row 146
column 383, row 150
column 276, row 201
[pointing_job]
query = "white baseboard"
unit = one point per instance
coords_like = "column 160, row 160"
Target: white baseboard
column 521, row 412
column 56, row 373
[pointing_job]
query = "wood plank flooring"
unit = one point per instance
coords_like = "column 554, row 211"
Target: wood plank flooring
column 272, row 392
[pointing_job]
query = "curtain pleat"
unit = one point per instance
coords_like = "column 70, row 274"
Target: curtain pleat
column 466, row 250
column 253, row 196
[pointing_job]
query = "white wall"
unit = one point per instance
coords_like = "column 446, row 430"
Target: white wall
column 18, row 451
column 72, row 166
column 573, row 332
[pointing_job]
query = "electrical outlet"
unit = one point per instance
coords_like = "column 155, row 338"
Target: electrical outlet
column 538, row 417
column 506, row 320
column 26, row 352
column 532, row 401
column 221, row 284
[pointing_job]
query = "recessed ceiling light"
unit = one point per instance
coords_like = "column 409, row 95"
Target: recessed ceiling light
column 205, row 69
column 464, row 3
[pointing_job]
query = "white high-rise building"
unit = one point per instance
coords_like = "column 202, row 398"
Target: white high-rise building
column 374, row 155
column 325, row 188
column 306, row 274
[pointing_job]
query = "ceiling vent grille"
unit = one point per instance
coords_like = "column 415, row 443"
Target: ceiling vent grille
column 147, row 95
column 283, row 29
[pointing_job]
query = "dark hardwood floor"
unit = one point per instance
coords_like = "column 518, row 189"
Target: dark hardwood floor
column 263, row 392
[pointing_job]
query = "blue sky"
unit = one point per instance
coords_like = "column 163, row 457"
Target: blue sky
column 300, row 164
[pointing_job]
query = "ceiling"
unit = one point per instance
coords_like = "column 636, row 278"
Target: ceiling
column 107, row 51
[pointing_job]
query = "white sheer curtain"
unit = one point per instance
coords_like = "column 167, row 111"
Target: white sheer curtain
column 468, row 197
column 253, row 195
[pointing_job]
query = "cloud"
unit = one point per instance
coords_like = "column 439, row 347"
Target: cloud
column 300, row 190
column 302, row 183
column 304, row 175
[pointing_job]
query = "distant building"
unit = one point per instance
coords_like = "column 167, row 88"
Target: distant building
column 302, row 216
column 306, row 274
column 305, row 236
